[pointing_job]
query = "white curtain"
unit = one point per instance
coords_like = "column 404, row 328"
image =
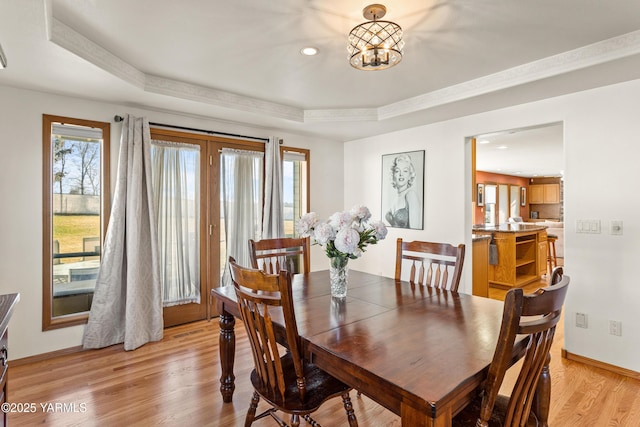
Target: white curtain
column 273, row 221
column 241, row 176
column 127, row 302
column 176, row 190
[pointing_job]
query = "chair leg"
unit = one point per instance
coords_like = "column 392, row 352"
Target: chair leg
column 311, row 421
column 348, row 407
column 542, row 395
column 295, row 420
column 251, row 413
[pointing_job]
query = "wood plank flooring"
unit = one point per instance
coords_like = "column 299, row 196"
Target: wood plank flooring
column 175, row 382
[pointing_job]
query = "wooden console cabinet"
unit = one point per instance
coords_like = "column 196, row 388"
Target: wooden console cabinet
column 7, row 303
column 522, row 254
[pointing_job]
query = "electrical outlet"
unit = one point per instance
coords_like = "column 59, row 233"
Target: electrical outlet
column 615, row 328
column 615, row 227
column 581, row 320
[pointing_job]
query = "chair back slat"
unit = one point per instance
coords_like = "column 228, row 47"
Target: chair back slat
column 535, row 315
column 262, row 298
column 273, row 255
column 556, row 275
column 432, row 264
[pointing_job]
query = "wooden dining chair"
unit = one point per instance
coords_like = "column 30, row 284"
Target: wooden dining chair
column 556, row 275
column 432, row 264
column 536, row 316
column 271, row 255
column 284, row 379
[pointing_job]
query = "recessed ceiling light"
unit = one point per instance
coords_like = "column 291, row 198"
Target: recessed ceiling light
column 484, row 141
column 502, row 147
column 309, row 51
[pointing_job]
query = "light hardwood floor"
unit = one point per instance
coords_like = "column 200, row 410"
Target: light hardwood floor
column 175, row 382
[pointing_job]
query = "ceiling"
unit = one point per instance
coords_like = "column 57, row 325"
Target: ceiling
column 531, row 152
column 240, row 61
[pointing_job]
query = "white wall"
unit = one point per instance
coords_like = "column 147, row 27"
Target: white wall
column 601, row 129
column 21, row 194
column 601, row 151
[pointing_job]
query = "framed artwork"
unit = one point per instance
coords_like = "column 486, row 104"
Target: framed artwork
column 523, row 196
column 480, row 200
column 403, row 189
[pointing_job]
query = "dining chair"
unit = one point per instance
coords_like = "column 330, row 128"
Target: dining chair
column 284, row 379
column 534, row 315
column 556, row 275
column 271, row 255
column 432, row 264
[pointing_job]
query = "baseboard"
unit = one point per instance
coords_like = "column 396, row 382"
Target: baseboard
column 597, row 364
column 45, row 356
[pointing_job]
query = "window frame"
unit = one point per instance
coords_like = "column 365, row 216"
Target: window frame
column 50, row 322
column 307, row 156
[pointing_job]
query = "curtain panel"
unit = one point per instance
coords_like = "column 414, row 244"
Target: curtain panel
column 273, row 221
column 176, row 196
column 241, row 181
column 127, row 303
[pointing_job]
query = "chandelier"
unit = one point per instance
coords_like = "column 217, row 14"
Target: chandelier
column 375, row 44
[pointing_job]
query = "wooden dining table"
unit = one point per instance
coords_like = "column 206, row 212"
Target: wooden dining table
column 420, row 352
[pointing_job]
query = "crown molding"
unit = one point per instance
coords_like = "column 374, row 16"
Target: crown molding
column 69, row 39
column 587, row 56
column 207, row 95
column 573, row 60
column 341, row 115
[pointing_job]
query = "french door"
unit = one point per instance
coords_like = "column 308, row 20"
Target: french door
column 191, row 235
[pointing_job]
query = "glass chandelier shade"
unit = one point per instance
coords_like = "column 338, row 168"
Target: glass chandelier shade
column 375, row 45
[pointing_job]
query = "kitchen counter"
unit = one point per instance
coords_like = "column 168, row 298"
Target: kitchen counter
column 518, row 253
column 7, row 304
column 512, row 227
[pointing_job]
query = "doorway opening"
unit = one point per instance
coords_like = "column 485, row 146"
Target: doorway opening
column 518, row 177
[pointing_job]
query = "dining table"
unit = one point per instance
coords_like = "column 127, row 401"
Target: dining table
column 420, row 352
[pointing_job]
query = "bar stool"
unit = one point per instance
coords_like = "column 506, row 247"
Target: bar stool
column 551, row 251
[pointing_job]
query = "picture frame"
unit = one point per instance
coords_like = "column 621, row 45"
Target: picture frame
column 402, row 189
column 523, row 196
column 480, row 195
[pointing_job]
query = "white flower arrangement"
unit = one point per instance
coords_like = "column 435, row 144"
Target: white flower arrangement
column 345, row 234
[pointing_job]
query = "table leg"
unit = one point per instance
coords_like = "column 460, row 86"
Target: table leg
column 414, row 417
column 542, row 398
column 227, row 344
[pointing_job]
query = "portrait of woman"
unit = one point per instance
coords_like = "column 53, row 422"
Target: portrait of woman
column 402, row 189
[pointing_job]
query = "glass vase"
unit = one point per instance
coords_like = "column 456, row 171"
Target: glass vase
column 338, row 274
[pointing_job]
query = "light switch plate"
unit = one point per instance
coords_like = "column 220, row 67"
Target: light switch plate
column 581, row 320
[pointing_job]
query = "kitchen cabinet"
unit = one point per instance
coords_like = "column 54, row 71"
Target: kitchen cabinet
column 544, row 193
column 480, row 263
column 542, row 253
column 522, row 256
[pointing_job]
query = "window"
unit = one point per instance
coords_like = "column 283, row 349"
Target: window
column 75, row 210
column 295, row 177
